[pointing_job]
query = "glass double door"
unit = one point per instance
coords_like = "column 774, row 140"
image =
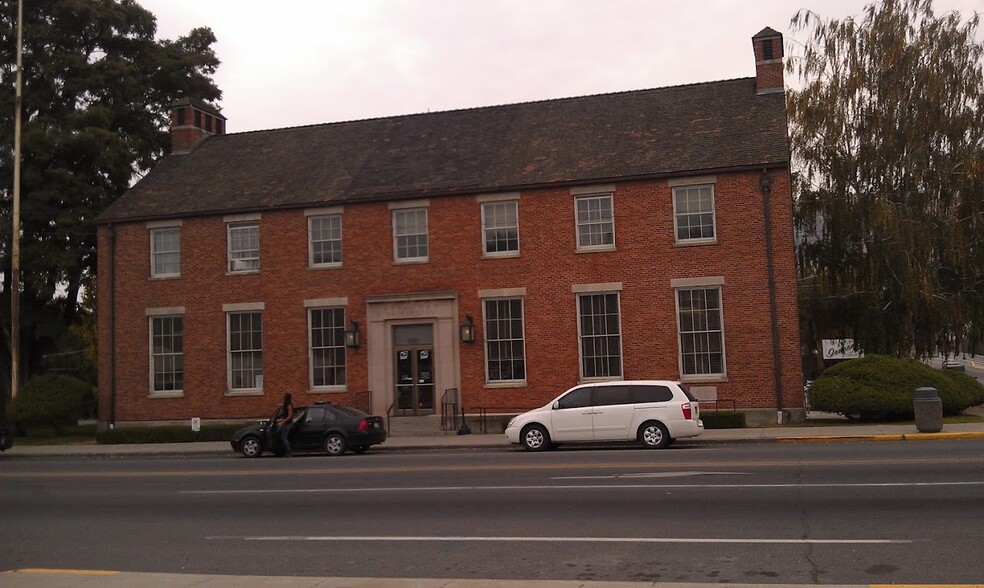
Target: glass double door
column 414, row 349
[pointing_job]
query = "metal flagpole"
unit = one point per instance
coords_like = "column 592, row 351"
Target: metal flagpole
column 15, row 213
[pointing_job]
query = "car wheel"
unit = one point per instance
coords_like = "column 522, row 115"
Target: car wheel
column 535, row 438
column 251, row 447
column 654, row 435
column 334, row 444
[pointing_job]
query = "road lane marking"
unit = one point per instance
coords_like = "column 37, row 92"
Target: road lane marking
column 66, row 572
column 579, row 487
column 650, row 475
column 459, row 539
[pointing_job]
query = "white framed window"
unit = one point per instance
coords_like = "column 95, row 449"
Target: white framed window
column 165, row 252
column 500, row 227
column 245, row 345
column 600, row 333
column 166, row 355
column 505, row 342
column 410, row 234
column 244, row 246
column 595, row 222
column 701, row 328
column 325, row 240
column 693, row 214
column 327, row 347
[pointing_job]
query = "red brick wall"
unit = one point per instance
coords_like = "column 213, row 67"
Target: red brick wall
column 646, row 260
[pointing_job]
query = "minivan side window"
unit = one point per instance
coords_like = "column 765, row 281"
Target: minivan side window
column 578, row 398
column 641, row 394
column 607, row 395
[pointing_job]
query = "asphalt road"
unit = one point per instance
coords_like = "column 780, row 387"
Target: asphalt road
column 813, row 513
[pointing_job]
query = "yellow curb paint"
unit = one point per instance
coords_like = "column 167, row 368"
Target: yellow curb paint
column 925, row 585
column 66, row 572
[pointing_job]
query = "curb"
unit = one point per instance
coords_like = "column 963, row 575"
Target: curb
column 884, row 437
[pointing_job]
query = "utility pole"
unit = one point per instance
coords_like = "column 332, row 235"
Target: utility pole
column 15, row 213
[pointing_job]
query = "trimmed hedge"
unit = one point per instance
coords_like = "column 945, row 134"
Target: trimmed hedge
column 53, row 399
column 166, row 434
column 878, row 387
column 723, row 420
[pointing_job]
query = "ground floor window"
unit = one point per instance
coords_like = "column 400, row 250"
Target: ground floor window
column 701, row 331
column 167, row 353
column 327, row 347
column 245, row 350
column 505, row 347
column 600, row 334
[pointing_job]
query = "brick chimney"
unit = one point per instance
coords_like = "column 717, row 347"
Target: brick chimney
column 193, row 121
column 768, row 61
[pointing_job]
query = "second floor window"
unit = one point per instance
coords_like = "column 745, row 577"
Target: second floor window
column 165, row 252
column 595, row 222
column 410, row 234
column 693, row 214
column 244, row 246
column 325, row 237
column 500, row 225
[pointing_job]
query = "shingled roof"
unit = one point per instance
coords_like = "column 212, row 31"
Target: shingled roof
column 697, row 128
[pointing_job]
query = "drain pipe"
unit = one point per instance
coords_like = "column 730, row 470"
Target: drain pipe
column 765, row 183
column 111, row 336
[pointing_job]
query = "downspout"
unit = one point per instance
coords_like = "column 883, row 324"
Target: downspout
column 111, row 336
column 765, row 184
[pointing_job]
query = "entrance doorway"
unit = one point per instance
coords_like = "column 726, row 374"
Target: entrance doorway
column 413, row 346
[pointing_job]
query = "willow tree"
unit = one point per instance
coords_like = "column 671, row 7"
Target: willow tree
column 887, row 133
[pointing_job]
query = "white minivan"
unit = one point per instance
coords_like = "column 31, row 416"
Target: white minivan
column 653, row 412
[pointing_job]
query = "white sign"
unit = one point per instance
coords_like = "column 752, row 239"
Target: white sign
column 839, row 349
column 196, row 424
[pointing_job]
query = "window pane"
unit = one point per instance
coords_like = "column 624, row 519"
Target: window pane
column 167, row 353
column 165, row 250
column 500, row 224
column 326, row 239
column 694, row 212
column 601, row 354
column 701, row 332
column 505, row 346
column 327, row 347
column 245, row 350
column 595, row 221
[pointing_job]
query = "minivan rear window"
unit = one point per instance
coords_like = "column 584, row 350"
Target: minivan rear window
column 641, row 394
column 690, row 396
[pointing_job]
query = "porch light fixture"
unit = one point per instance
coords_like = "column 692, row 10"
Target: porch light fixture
column 352, row 335
column 468, row 330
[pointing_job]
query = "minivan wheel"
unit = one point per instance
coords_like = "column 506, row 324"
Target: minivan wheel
column 251, row 447
column 654, row 435
column 535, row 438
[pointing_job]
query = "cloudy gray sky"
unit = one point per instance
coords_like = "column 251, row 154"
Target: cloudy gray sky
column 299, row 62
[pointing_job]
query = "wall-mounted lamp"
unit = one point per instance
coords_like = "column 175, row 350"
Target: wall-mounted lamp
column 468, row 329
column 352, row 335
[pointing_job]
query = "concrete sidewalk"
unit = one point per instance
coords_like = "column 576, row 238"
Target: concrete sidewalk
column 772, row 434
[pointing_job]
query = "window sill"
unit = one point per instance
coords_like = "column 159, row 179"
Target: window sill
column 605, row 249
column 509, row 384
column 333, row 390
column 250, row 392
column 323, row 266
column 695, row 242
column 168, row 394
column 699, row 378
column 602, row 379
column 243, row 273
column 415, row 261
column 507, row 255
column 164, row 277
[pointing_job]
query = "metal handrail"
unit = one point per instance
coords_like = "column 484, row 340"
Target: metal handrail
column 449, row 410
column 389, row 415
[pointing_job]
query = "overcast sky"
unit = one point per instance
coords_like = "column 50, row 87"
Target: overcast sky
column 299, row 62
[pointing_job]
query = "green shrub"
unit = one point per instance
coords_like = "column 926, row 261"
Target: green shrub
column 723, row 420
column 877, row 387
column 53, row 399
column 166, row 434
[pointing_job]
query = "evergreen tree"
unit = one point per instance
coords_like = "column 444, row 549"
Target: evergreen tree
column 97, row 86
column 887, row 133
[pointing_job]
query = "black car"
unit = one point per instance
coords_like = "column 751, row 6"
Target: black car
column 6, row 436
column 323, row 426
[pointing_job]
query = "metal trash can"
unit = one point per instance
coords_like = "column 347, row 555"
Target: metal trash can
column 928, row 408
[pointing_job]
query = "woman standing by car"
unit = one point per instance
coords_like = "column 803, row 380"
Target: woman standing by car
column 285, row 421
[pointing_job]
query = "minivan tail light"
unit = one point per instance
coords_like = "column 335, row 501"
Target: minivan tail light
column 363, row 425
column 688, row 412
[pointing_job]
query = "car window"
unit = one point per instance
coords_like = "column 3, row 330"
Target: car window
column 577, row 398
column 314, row 416
column 641, row 394
column 612, row 395
column 690, row 396
column 349, row 411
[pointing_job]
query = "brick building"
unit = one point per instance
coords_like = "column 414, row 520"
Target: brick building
column 507, row 252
